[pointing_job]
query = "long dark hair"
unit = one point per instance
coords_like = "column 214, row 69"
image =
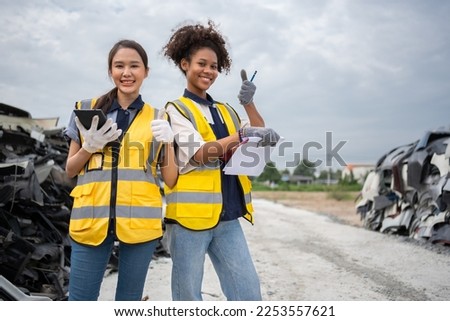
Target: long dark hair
column 104, row 102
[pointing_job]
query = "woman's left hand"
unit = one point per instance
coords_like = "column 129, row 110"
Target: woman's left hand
column 162, row 131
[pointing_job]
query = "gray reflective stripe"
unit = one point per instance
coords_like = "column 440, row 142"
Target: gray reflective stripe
column 90, row 212
column 194, row 197
column 248, row 198
column 86, row 104
column 234, row 116
column 138, row 212
column 121, row 211
column 138, row 175
column 153, row 153
column 231, row 111
column 187, row 111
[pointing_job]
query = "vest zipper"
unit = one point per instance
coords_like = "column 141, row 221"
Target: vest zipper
column 113, row 200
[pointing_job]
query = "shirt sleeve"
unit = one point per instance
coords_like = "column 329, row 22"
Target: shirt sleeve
column 245, row 123
column 71, row 131
column 187, row 138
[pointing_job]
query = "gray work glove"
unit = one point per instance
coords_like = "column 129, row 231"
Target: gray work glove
column 247, row 90
column 268, row 136
column 96, row 139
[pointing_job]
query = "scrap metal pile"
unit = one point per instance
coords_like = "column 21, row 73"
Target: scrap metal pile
column 408, row 193
column 34, row 207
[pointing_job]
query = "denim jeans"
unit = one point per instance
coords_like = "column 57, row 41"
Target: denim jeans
column 88, row 265
column 229, row 254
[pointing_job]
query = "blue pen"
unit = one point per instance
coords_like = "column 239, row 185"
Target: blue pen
column 254, row 74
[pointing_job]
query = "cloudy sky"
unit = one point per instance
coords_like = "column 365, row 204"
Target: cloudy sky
column 373, row 74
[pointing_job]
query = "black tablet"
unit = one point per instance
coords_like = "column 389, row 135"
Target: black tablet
column 85, row 117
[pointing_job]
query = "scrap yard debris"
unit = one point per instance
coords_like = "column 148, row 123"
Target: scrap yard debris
column 34, row 207
column 408, row 193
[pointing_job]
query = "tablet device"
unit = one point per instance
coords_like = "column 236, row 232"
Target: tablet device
column 85, row 117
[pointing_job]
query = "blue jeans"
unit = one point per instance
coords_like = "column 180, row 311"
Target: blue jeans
column 229, row 254
column 88, row 265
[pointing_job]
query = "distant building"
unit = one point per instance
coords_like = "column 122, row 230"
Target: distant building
column 325, row 181
column 300, row 179
column 359, row 172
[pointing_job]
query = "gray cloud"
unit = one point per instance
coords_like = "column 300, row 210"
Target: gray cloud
column 374, row 73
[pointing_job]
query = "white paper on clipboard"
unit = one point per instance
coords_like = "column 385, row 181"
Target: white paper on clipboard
column 248, row 159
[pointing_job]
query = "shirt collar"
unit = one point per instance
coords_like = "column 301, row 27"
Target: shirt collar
column 208, row 101
column 137, row 104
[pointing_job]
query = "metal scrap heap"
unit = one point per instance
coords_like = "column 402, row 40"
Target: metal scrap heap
column 34, row 207
column 408, row 193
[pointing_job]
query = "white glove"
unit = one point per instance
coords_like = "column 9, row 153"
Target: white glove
column 95, row 139
column 162, row 131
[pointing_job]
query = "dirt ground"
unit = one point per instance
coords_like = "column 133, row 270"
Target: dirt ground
column 310, row 246
column 343, row 210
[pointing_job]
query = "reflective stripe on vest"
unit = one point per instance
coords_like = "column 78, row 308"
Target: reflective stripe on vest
column 138, row 204
column 195, row 202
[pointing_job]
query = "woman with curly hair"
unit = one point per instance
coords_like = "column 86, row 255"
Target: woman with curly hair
column 204, row 206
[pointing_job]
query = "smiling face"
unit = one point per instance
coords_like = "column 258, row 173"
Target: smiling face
column 128, row 71
column 201, row 71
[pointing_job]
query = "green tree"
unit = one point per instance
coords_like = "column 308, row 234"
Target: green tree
column 305, row 168
column 285, row 173
column 338, row 174
column 348, row 179
column 324, row 174
column 270, row 173
column 332, row 174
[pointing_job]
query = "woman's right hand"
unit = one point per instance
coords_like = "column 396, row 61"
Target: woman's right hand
column 96, row 139
column 247, row 91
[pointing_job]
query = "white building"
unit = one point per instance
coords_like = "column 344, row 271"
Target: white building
column 359, row 172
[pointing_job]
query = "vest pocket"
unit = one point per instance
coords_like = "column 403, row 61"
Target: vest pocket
column 82, row 214
column 82, row 195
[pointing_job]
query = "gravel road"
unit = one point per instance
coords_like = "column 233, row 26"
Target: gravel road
column 304, row 256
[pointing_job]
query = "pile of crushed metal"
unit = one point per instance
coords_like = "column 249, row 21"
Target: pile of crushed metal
column 408, row 193
column 34, row 207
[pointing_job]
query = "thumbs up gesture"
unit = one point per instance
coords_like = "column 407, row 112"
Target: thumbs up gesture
column 247, row 91
column 161, row 128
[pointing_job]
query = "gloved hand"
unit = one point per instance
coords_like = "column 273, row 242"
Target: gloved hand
column 247, row 90
column 268, row 136
column 95, row 139
column 162, row 131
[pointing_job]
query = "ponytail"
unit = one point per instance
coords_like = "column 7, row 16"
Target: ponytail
column 105, row 102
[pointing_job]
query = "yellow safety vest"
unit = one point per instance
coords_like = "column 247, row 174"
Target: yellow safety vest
column 195, row 202
column 123, row 191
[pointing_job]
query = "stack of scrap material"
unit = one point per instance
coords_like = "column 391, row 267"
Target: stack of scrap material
column 408, row 193
column 34, row 207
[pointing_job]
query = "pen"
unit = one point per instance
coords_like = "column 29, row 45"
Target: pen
column 253, row 76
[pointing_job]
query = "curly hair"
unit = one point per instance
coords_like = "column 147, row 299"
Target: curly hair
column 188, row 39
